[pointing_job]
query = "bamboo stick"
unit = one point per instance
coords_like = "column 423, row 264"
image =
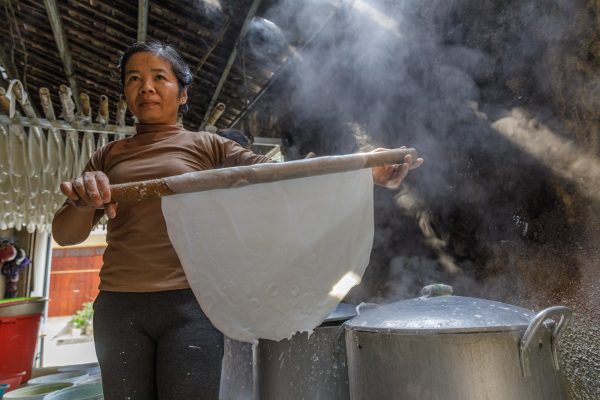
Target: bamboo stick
column 102, row 117
column 68, row 107
column 248, row 175
column 216, row 114
column 23, row 99
column 86, row 108
column 47, row 106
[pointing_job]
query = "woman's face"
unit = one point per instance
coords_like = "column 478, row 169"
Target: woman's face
column 151, row 89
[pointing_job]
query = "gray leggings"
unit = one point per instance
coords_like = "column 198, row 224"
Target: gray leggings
column 156, row 346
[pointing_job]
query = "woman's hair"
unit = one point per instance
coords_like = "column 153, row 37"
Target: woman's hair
column 166, row 52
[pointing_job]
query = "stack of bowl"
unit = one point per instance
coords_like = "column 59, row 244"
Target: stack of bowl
column 72, row 382
column 36, row 392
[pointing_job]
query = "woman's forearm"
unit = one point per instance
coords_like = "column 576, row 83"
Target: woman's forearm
column 72, row 225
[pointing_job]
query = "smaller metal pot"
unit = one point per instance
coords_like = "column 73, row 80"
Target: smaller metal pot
column 307, row 366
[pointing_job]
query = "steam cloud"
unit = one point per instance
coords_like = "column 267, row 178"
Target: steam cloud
column 490, row 212
column 433, row 75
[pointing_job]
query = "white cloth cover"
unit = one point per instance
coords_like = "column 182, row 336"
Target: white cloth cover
column 269, row 260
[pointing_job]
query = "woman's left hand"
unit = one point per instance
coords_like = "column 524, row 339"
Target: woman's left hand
column 391, row 176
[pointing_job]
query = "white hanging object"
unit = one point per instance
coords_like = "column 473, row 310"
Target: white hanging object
column 54, row 149
column 15, row 183
column 55, row 181
column 256, row 277
column 20, row 197
column 43, row 150
column 12, row 112
column 7, row 198
column 35, row 152
column 87, row 149
column 34, row 186
column 45, row 180
column 5, row 185
column 31, row 227
column 66, row 159
column 102, row 140
column 17, row 220
column 71, row 158
column 17, row 149
column 4, row 155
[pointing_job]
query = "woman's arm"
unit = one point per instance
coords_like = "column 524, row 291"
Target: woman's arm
column 72, row 225
column 73, row 222
column 391, row 176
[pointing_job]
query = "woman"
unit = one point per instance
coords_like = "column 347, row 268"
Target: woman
column 152, row 339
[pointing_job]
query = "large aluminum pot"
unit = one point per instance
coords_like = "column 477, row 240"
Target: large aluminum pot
column 307, row 366
column 455, row 348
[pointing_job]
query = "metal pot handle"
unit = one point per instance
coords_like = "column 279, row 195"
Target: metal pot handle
column 437, row 289
column 362, row 307
column 532, row 330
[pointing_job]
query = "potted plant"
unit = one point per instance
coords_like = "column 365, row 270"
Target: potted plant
column 82, row 319
column 78, row 324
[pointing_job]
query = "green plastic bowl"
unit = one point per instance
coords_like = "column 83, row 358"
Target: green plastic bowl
column 79, row 392
column 22, row 306
column 35, row 392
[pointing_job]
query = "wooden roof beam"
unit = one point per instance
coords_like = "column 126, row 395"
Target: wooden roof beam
column 281, row 69
column 63, row 48
column 230, row 61
column 142, row 30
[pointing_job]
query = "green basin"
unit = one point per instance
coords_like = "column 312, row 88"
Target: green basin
column 22, row 306
column 35, row 392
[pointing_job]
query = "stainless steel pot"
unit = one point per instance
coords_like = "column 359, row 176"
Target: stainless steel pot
column 455, row 348
column 307, row 366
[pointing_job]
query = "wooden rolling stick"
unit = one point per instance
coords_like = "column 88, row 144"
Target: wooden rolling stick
column 252, row 174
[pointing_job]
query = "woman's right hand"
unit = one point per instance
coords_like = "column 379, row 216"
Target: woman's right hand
column 93, row 190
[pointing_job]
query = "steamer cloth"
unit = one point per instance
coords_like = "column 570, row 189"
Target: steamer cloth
column 269, row 260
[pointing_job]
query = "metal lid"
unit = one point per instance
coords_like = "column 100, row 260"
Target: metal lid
column 443, row 314
column 342, row 312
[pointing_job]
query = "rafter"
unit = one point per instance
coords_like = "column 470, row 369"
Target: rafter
column 295, row 54
column 63, row 48
column 230, row 61
column 142, row 29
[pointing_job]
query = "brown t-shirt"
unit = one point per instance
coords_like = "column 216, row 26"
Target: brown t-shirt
column 139, row 256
